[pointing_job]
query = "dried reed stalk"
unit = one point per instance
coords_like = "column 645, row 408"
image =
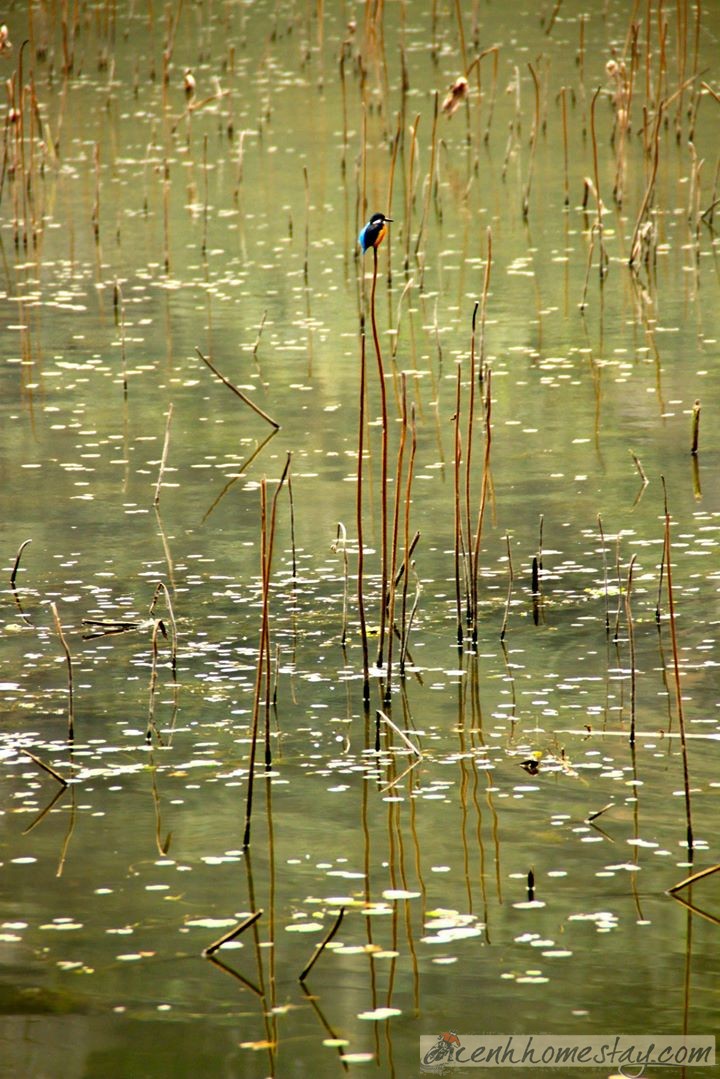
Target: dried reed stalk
column 409, row 192
column 605, row 576
column 68, row 660
column 245, row 400
column 563, row 101
column 45, row 767
column 678, row 689
column 162, row 587
column 383, row 468
column 533, row 144
column 506, row 616
column 359, row 523
column 163, row 459
column 694, row 878
column 267, row 542
column 472, row 598
column 235, row 932
column 395, row 535
column 631, row 641
column 431, row 175
column 340, row 544
column 408, row 547
column 459, row 546
column 596, row 172
column 322, row 945
column 16, row 564
column 695, row 429
column 483, row 497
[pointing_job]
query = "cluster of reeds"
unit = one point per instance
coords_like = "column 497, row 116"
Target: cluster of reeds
column 650, row 94
column 624, row 605
column 396, row 610
column 104, row 627
column 643, row 63
column 27, row 149
column 652, row 78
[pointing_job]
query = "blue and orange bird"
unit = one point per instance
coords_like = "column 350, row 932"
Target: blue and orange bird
column 373, row 233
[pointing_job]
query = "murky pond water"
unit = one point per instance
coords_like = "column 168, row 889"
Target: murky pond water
column 502, row 823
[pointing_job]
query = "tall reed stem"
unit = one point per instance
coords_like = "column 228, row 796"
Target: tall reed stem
column 459, row 547
column 267, row 537
column 68, row 660
column 383, row 469
column 678, row 689
column 359, row 520
column 483, row 500
column 163, row 459
column 506, row 616
column 409, row 195
column 472, row 597
column 596, row 173
column 395, row 534
column 259, row 668
column 407, row 546
column 266, row 605
column 533, row 144
column 431, row 176
column 563, row 99
column 631, row 641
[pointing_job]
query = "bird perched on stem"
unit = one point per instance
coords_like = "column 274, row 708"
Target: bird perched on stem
column 373, row 233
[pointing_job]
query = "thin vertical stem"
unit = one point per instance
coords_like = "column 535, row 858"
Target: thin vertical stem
column 68, row 660
column 458, row 517
column 563, row 99
column 258, row 671
column 431, row 176
column 596, row 173
column 409, row 192
column 395, row 533
column 483, row 306
column 307, row 223
column 483, row 498
column 407, row 547
column 605, row 575
column 461, row 34
column 267, row 536
column 266, row 605
column 163, row 459
column 341, row 544
column 533, row 144
column 695, row 429
column 391, row 184
column 678, row 690
column 468, row 459
column 631, row 641
column 503, row 629
column 383, row 468
column 359, row 520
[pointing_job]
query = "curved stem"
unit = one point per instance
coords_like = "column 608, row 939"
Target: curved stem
column 383, row 467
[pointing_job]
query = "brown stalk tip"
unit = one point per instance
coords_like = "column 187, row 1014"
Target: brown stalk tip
column 695, row 429
column 322, row 945
column 234, row 932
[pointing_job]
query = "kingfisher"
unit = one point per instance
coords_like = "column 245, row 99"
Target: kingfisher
column 373, row 233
